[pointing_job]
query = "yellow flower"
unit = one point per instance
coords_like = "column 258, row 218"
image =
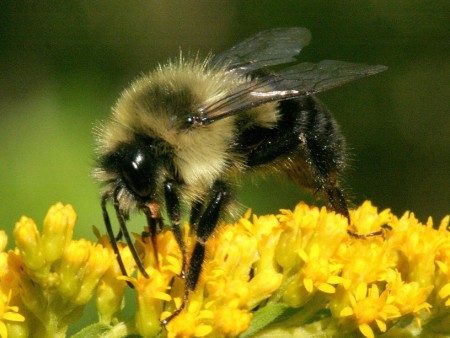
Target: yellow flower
column 368, row 306
column 366, row 220
column 443, row 262
column 302, row 272
column 55, row 274
column 153, row 292
column 408, row 297
column 8, row 313
column 317, row 236
column 416, row 245
column 302, row 262
column 221, row 303
column 110, row 289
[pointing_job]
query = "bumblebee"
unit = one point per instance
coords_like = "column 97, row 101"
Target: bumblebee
column 184, row 133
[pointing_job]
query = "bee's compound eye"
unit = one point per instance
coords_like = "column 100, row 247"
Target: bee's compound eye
column 137, row 169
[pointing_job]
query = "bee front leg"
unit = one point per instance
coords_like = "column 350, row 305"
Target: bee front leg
column 154, row 222
column 124, row 230
column 206, row 225
column 173, row 210
column 113, row 239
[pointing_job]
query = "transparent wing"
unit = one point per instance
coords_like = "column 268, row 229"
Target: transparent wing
column 267, row 48
column 297, row 81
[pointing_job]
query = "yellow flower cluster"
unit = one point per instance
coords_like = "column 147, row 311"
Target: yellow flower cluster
column 48, row 276
column 237, row 276
column 365, row 280
column 294, row 274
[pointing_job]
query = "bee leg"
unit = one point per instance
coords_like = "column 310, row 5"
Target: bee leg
column 113, row 239
column 320, row 176
column 206, row 226
column 196, row 210
column 306, row 145
column 119, row 236
column 321, row 151
column 337, row 201
column 320, row 157
column 152, row 222
column 173, row 210
column 123, row 228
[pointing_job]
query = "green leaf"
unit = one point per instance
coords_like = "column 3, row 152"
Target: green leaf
column 265, row 316
column 100, row 330
column 93, row 331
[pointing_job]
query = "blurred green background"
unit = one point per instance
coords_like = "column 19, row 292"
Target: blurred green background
column 63, row 64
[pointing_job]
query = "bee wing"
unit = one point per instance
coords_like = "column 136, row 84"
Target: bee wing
column 297, row 81
column 267, row 48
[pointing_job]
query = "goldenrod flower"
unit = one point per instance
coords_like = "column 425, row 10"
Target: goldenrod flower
column 54, row 275
column 111, row 289
column 153, row 293
column 10, row 317
column 306, row 265
column 8, row 313
column 299, row 273
column 219, row 307
column 368, row 306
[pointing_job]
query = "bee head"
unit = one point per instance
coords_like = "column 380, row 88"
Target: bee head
column 136, row 170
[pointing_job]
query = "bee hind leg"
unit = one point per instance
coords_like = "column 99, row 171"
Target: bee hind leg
column 337, row 201
column 307, row 146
